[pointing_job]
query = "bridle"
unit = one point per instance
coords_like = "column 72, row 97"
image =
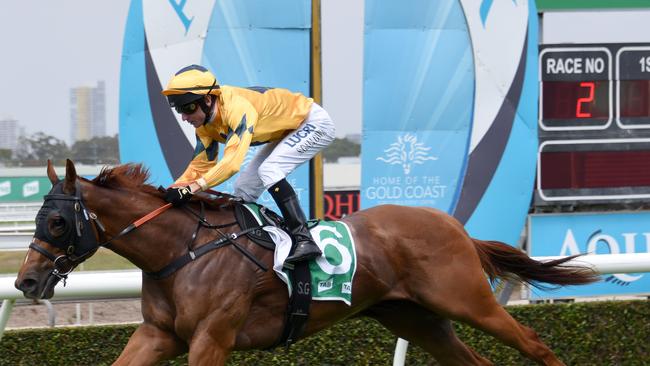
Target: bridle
column 82, row 240
column 78, row 241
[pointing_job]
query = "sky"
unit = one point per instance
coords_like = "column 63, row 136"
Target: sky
column 50, row 47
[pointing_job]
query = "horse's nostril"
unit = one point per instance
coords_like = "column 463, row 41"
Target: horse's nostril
column 27, row 284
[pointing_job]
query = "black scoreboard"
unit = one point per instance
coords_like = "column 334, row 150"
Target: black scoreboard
column 594, row 124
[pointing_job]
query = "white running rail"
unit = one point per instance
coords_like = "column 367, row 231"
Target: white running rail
column 15, row 240
column 95, row 285
column 127, row 284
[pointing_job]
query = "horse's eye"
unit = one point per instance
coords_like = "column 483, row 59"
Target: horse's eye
column 56, row 225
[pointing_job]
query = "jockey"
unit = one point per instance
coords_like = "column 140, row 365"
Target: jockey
column 292, row 127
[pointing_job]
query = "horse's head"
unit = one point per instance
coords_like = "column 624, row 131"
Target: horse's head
column 64, row 237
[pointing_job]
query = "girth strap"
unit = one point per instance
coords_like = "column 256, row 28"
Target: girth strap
column 298, row 308
column 190, row 256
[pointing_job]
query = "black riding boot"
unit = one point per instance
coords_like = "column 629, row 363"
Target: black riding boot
column 287, row 201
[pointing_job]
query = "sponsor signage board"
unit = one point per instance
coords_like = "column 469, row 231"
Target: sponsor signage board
column 24, row 189
column 413, row 168
column 341, row 203
column 592, row 233
column 449, row 110
column 162, row 37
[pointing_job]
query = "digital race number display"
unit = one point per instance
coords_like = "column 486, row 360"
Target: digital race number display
column 575, row 89
column 587, row 88
column 567, row 100
column 594, row 123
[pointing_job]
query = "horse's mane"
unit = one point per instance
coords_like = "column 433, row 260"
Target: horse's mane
column 135, row 176
column 126, row 176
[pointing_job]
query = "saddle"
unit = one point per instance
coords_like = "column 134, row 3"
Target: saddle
column 246, row 218
column 252, row 217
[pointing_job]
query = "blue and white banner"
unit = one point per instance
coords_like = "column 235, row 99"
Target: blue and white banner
column 401, row 172
column 243, row 42
column 594, row 233
column 450, row 109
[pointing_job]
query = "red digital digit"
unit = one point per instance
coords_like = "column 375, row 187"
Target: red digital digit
column 588, row 99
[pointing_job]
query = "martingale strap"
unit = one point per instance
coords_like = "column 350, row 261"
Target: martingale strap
column 190, row 256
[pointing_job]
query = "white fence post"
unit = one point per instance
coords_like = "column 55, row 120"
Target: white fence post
column 400, row 352
column 5, row 312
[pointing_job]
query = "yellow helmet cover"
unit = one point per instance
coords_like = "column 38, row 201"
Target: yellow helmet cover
column 192, row 79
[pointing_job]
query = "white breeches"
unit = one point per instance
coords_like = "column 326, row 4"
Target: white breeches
column 277, row 159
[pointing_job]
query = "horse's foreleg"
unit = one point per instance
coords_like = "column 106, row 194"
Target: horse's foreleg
column 428, row 330
column 208, row 350
column 149, row 345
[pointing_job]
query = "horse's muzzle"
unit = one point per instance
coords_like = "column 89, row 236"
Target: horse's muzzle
column 33, row 288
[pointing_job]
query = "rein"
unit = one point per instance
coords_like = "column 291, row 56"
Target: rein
column 90, row 219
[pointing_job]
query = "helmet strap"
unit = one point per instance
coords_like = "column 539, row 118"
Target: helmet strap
column 204, row 107
column 208, row 110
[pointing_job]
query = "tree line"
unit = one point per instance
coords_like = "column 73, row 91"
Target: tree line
column 36, row 149
column 340, row 148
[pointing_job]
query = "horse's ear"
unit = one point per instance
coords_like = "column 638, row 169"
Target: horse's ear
column 54, row 179
column 70, row 177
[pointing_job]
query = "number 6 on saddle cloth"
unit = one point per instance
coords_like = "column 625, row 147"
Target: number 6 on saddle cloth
column 328, row 277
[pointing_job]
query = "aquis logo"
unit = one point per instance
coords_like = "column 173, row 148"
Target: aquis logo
column 609, row 243
column 407, row 152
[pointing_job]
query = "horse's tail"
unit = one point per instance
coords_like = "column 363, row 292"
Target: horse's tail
column 500, row 260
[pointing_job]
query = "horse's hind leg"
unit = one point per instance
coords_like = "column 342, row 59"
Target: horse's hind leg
column 495, row 320
column 473, row 303
column 433, row 333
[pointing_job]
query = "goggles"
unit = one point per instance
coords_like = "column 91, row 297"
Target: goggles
column 188, row 108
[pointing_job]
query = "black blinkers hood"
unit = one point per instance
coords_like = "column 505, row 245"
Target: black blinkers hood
column 77, row 237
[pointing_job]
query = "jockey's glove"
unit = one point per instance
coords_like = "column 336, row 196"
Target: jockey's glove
column 178, row 196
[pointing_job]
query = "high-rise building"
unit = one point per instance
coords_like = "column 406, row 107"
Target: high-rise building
column 87, row 112
column 9, row 133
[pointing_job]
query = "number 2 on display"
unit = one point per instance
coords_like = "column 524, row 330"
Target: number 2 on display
column 585, row 100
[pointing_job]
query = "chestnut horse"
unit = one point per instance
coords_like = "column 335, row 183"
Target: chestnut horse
column 418, row 270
